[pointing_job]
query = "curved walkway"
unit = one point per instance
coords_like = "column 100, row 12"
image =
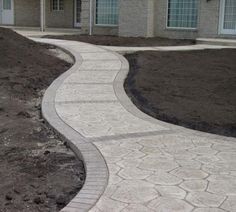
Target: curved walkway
column 153, row 166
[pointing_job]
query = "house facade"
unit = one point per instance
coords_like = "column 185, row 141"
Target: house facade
column 145, row 18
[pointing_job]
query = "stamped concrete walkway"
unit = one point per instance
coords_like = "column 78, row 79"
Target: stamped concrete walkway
column 153, row 166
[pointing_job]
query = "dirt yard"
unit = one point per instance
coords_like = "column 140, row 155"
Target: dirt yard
column 123, row 41
column 37, row 171
column 195, row 89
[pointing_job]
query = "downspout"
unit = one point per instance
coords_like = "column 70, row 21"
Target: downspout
column 42, row 15
column 91, row 17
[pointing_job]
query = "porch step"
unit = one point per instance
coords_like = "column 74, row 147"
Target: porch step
column 217, row 41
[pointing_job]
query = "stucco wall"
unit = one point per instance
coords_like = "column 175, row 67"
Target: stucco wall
column 209, row 14
column 27, row 13
column 160, row 23
column 145, row 18
column 148, row 18
column 64, row 18
column 136, row 18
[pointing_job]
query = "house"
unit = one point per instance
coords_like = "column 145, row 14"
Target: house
column 146, row 18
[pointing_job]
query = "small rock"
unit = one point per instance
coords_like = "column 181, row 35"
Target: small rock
column 24, row 114
column 47, row 152
column 40, row 175
column 61, row 200
column 17, row 191
column 38, row 129
column 38, row 200
column 66, row 144
column 8, row 197
column 51, row 195
column 3, row 130
column 34, row 186
column 26, row 198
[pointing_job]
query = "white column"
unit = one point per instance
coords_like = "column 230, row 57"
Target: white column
column 150, row 18
column 90, row 17
column 42, row 15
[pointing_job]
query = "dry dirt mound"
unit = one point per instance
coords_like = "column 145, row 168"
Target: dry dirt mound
column 195, row 89
column 37, row 171
column 108, row 40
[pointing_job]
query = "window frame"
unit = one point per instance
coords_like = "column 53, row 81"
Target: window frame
column 9, row 6
column 180, row 28
column 103, row 25
column 58, row 9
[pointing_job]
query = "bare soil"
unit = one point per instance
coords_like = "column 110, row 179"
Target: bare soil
column 194, row 89
column 123, row 41
column 37, row 171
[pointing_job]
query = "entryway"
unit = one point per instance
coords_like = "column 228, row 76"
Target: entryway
column 228, row 17
column 7, row 12
column 77, row 13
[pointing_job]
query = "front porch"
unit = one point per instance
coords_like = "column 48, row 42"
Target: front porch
column 60, row 13
column 41, row 13
column 37, row 32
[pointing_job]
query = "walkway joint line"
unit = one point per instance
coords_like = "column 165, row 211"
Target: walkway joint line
column 134, row 162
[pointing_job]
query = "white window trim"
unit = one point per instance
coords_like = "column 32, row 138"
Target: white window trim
column 221, row 30
column 179, row 28
column 76, row 24
column 95, row 16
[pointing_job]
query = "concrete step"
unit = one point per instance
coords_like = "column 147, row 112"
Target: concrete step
column 217, row 41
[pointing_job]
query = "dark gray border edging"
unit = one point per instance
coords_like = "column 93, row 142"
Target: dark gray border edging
column 95, row 165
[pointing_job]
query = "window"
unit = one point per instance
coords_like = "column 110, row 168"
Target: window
column 182, row 13
column 57, row 5
column 106, row 12
column 230, row 15
column 7, row 4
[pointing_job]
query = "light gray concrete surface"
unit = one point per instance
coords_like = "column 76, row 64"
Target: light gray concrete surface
column 203, row 44
column 37, row 33
column 153, row 166
column 95, row 165
column 217, row 41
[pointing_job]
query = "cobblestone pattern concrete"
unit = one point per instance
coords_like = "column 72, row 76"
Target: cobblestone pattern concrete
column 153, row 166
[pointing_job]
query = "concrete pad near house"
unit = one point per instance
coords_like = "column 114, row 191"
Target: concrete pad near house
column 134, row 162
column 37, row 33
column 200, row 46
column 217, row 41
